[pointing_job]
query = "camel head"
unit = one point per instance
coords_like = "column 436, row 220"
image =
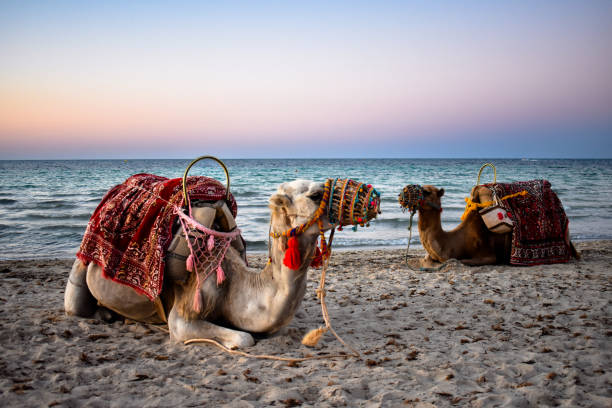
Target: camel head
column 415, row 197
column 432, row 199
column 294, row 203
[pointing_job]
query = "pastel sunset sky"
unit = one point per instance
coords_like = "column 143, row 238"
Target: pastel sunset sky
column 178, row 79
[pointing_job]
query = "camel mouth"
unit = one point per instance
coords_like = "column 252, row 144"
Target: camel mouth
column 351, row 202
column 325, row 225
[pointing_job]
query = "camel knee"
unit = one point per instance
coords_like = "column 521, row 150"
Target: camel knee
column 78, row 300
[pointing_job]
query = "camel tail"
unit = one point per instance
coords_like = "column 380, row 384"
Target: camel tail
column 574, row 252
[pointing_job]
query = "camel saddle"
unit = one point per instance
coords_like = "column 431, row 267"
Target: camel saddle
column 540, row 234
column 131, row 230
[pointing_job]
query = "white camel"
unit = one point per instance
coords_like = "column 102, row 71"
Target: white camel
column 249, row 300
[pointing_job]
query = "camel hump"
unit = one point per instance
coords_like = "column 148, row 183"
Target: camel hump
column 205, row 215
column 214, row 215
column 203, row 212
column 224, row 217
column 481, row 194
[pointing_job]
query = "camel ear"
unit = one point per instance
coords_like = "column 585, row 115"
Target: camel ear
column 440, row 192
column 280, row 200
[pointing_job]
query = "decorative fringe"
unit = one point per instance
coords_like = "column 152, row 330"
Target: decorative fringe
column 190, row 264
column 220, row 275
column 292, row 258
column 312, row 337
column 322, row 251
column 317, row 261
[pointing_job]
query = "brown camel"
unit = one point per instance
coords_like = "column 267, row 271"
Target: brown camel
column 249, row 301
column 470, row 242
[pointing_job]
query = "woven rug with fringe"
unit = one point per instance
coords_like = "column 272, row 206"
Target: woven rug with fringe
column 540, row 234
column 129, row 232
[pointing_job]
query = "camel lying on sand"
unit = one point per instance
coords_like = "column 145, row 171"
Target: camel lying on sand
column 248, row 300
column 470, row 242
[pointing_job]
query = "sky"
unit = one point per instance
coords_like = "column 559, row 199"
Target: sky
column 264, row 79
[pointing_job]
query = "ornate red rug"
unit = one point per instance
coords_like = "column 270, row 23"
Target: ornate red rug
column 130, row 230
column 540, row 234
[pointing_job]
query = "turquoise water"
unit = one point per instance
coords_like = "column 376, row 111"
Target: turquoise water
column 45, row 205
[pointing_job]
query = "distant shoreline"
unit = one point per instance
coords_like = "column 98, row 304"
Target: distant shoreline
column 415, row 249
column 484, row 159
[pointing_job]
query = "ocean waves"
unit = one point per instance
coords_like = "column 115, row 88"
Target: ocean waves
column 47, row 215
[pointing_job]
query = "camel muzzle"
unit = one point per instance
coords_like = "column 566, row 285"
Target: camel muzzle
column 351, row 202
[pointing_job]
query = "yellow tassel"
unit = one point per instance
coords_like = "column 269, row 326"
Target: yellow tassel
column 471, row 206
column 312, row 337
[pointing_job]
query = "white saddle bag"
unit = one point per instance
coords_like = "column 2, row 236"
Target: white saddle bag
column 496, row 218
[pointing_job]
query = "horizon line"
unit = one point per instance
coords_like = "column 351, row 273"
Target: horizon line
column 316, row 158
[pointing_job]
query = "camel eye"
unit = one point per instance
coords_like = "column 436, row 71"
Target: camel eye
column 426, row 193
column 316, row 196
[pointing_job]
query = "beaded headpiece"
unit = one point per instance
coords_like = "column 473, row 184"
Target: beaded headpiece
column 411, row 198
column 352, row 203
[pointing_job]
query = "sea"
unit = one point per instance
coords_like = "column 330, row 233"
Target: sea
column 45, row 204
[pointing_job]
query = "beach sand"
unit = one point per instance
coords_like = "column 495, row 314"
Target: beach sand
column 461, row 336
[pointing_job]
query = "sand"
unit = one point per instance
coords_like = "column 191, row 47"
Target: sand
column 461, row 336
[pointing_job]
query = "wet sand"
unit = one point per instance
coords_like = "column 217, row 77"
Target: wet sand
column 460, row 336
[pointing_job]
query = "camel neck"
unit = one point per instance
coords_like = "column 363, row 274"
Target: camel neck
column 278, row 247
column 430, row 221
column 267, row 301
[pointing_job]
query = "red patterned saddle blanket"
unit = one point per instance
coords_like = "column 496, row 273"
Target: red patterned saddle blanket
column 540, row 234
column 129, row 232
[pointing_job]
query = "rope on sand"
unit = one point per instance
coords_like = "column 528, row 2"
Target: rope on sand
column 313, row 337
column 263, row 356
column 160, row 328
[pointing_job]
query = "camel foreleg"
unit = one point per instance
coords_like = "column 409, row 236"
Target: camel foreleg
column 181, row 330
column 78, row 300
column 486, row 260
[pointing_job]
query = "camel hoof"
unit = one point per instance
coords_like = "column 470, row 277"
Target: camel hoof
column 105, row 315
column 239, row 340
column 429, row 263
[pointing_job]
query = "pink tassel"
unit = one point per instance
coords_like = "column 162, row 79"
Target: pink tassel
column 210, row 244
column 190, row 263
column 220, row 275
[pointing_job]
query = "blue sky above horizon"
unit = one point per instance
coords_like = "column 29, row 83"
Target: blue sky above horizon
column 309, row 79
